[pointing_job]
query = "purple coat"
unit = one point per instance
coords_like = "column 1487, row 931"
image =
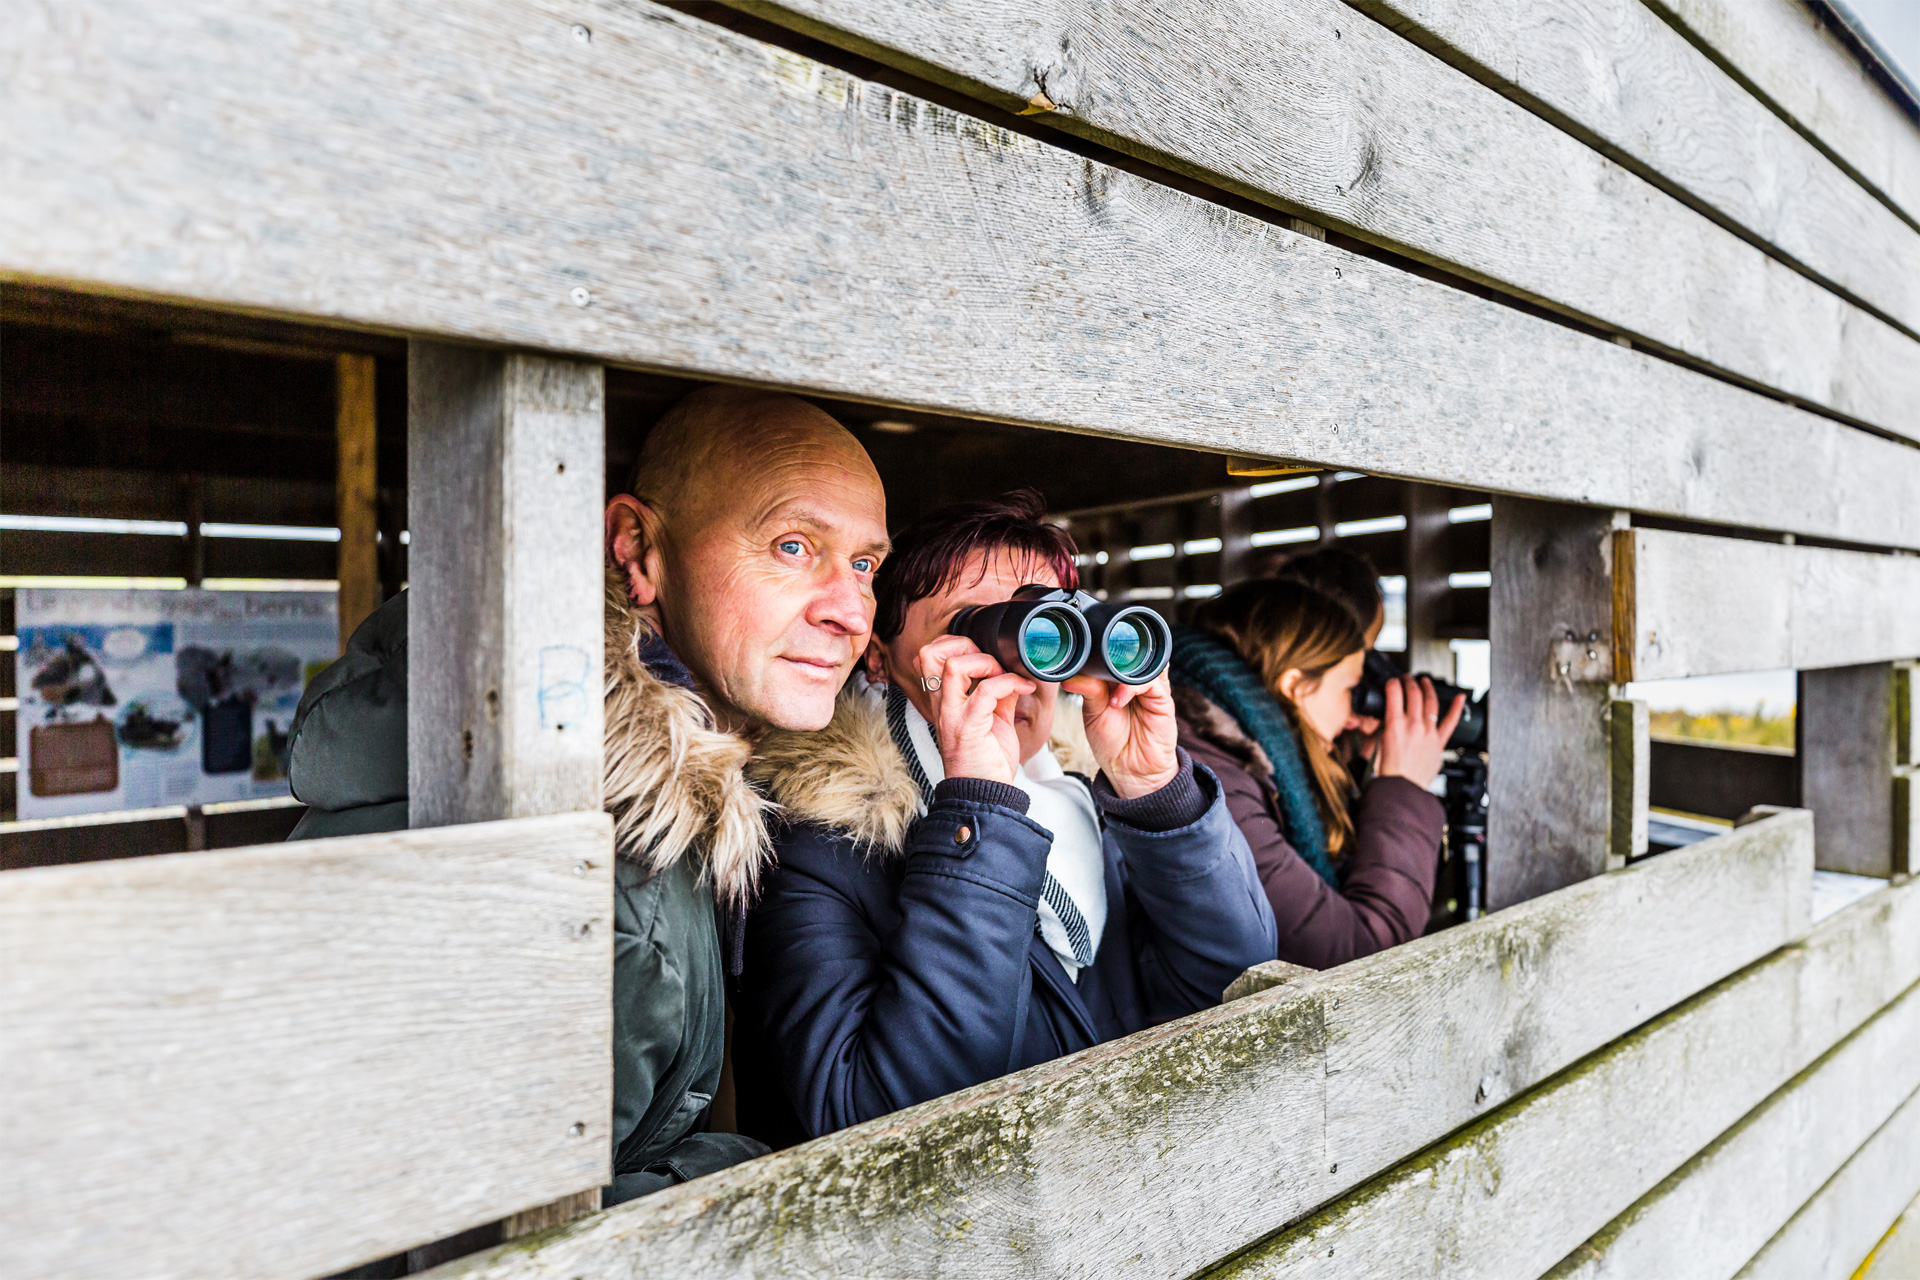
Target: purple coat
column 1388, row 873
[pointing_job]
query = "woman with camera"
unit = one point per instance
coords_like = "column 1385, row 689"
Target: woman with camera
column 1263, row 685
column 949, row 904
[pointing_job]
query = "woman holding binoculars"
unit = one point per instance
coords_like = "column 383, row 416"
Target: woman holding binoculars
column 950, row 904
column 1263, row 685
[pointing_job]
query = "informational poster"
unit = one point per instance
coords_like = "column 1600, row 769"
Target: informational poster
column 135, row 699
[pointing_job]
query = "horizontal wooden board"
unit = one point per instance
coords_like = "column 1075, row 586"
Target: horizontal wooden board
column 1160, row 1153
column 1698, row 605
column 32, row 489
column 1719, row 779
column 1707, row 1218
column 1835, row 1231
column 1814, row 81
column 1310, row 107
column 732, row 210
column 286, row 1059
column 1613, row 72
column 1509, row 1195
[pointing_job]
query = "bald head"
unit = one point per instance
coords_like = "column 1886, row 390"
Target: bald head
column 751, row 538
column 700, row 450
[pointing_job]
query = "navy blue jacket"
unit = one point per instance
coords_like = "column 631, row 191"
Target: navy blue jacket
column 876, row 980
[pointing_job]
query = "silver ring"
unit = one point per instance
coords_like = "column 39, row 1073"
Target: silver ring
column 930, row 683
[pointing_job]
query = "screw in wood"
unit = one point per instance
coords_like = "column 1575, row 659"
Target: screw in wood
column 580, row 296
column 583, row 34
column 577, row 1129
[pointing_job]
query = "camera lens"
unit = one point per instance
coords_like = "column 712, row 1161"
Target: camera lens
column 1130, row 648
column 1047, row 643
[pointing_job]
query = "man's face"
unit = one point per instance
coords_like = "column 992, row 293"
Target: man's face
column 984, row 579
column 766, row 581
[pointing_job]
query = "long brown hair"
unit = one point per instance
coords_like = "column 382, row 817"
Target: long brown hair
column 1277, row 625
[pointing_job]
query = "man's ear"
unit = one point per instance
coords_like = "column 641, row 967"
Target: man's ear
column 875, row 661
column 633, row 546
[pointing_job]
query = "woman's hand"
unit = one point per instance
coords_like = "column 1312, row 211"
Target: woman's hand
column 1131, row 728
column 1414, row 736
column 972, row 709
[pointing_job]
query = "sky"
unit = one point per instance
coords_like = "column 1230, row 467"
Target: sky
column 1896, row 25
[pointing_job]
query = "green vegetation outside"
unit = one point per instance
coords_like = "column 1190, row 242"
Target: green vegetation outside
column 1752, row 729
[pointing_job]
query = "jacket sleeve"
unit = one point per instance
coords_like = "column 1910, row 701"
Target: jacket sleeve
column 1197, row 916
column 857, row 1022
column 649, row 1020
column 1387, row 892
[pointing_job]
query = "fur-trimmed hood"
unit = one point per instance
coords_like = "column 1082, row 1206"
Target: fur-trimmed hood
column 1211, row 723
column 675, row 784
column 851, row 778
column 848, row 776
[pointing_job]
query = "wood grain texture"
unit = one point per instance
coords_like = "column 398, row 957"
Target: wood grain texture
column 735, row 211
column 1701, row 605
column 1629, row 732
column 1710, row 1216
column 1832, row 1234
column 287, row 1059
column 1844, row 745
column 1511, row 1194
column 1308, row 106
column 1813, row 81
column 1617, row 75
column 1552, row 581
column 356, row 491
column 1897, row 1255
column 505, row 455
column 1163, row 1152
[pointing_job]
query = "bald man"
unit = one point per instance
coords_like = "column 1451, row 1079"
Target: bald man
column 739, row 598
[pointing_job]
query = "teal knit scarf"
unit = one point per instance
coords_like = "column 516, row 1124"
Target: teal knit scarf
column 1211, row 665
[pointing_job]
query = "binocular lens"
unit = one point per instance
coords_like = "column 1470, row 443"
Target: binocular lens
column 1047, row 643
column 1129, row 648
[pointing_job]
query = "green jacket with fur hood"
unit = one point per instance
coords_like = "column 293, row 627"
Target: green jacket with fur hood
column 691, row 837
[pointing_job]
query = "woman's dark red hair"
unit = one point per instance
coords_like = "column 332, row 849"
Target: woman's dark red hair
column 930, row 554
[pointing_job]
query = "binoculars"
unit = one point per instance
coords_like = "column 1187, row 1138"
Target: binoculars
column 1370, row 699
column 1050, row 633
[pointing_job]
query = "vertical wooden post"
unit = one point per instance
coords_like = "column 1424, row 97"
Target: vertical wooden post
column 1845, row 727
column 1632, row 766
column 1906, row 760
column 1550, row 746
column 356, row 491
column 1427, row 580
column 506, row 462
column 505, row 458
column 1323, row 512
column 1236, row 535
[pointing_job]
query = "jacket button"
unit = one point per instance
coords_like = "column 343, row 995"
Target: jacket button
column 962, row 834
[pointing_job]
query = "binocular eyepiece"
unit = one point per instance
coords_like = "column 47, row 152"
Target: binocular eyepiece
column 1370, row 699
column 1050, row 634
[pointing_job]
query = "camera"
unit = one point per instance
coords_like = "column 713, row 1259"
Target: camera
column 1050, row 634
column 1370, row 699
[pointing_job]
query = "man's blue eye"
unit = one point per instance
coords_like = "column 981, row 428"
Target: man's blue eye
column 863, row 565
column 793, row 546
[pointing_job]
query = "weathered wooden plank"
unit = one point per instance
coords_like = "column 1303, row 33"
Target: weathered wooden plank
column 1512, row 1193
column 357, row 489
column 1897, row 1255
column 1631, row 765
column 731, row 210
column 1551, row 607
column 1847, row 775
column 1719, row 779
column 1158, row 1154
column 1710, row 1216
column 1614, row 73
column 1833, row 1233
column 1809, row 76
column 286, row 1059
column 505, row 462
column 1306, row 106
column 1699, row 605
